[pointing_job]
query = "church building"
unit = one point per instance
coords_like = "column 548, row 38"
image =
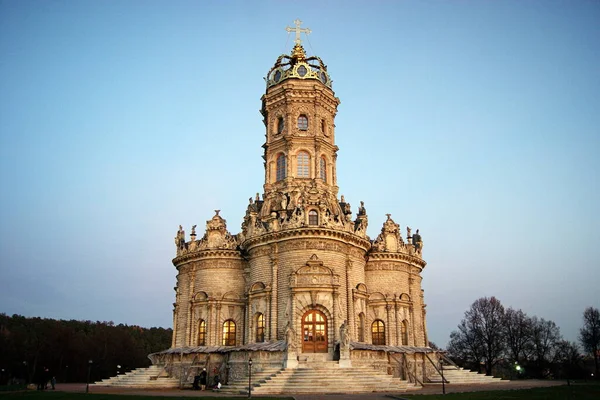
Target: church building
column 301, row 282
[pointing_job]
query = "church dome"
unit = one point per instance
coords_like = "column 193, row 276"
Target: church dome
column 297, row 65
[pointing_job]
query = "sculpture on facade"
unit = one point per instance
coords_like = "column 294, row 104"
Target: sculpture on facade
column 344, row 335
column 418, row 241
column 290, row 338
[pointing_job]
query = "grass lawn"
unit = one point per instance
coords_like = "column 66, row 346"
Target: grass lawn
column 574, row 392
column 35, row 395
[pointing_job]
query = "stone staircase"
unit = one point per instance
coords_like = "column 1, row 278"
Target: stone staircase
column 148, row 378
column 321, row 377
column 459, row 376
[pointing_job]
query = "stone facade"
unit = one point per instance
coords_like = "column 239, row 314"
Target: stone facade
column 302, row 270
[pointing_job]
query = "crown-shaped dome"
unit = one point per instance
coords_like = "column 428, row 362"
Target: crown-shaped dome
column 297, row 65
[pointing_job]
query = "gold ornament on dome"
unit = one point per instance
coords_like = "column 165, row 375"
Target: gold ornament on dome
column 297, row 65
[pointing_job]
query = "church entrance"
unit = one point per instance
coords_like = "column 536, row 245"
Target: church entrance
column 314, row 332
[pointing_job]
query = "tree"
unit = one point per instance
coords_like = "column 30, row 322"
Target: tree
column 481, row 334
column 518, row 334
column 568, row 359
column 545, row 337
column 589, row 334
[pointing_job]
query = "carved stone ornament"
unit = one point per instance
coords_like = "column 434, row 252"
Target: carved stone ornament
column 314, row 274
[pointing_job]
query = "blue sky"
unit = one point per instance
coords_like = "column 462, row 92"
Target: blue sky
column 477, row 122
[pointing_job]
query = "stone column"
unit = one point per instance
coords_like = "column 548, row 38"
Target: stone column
column 274, row 274
column 174, row 338
column 334, row 321
column 218, row 333
column 398, row 323
column 388, row 333
column 349, row 302
column 209, row 323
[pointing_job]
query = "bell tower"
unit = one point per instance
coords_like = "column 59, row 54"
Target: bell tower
column 299, row 109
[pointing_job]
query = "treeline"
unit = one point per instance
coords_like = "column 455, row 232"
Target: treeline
column 30, row 345
column 509, row 343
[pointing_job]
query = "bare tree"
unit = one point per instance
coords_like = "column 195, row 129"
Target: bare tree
column 589, row 334
column 567, row 358
column 480, row 335
column 466, row 346
column 518, row 333
column 545, row 337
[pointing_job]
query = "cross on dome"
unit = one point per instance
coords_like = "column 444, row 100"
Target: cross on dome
column 298, row 30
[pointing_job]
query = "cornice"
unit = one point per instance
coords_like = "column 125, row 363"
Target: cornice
column 385, row 256
column 207, row 254
column 306, row 233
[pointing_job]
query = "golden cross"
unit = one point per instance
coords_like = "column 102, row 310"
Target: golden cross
column 298, row 30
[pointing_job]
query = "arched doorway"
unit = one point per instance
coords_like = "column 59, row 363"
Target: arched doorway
column 314, row 332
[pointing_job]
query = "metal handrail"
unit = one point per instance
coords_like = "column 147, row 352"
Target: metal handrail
column 436, row 368
column 404, row 363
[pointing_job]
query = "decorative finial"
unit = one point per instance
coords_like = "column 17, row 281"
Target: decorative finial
column 298, row 30
column 217, row 212
column 388, row 216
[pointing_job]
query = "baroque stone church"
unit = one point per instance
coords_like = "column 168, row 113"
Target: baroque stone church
column 301, row 281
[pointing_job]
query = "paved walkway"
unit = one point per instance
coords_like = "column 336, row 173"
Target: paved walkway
column 428, row 389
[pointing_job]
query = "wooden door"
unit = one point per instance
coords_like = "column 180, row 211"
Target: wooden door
column 314, row 332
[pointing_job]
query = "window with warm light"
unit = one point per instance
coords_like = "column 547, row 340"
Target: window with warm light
column 260, row 327
column 378, row 332
column 303, row 165
column 229, row 333
column 202, row 333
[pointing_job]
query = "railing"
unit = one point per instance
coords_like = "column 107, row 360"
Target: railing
column 448, row 360
column 436, row 368
column 404, row 364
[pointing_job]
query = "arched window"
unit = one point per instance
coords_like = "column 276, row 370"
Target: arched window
column 313, row 217
column 260, row 327
column 229, row 333
column 323, row 127
column 303, row 122
column 281, row 167
column 202, row 333
column 323, row 169
column 404, row 333
column 280, row 125
column 361, row 327
column 378, row 332
column 303, row 165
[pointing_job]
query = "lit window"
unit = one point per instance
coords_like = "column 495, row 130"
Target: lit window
column 260, row 328
column 313, row 218
column 202, row 333
column 404, row 333
column 302, row 122
column 323, row 169
column 303, row 165
column 229, row 333
column 378, row 332
column 281, row 167
column 280, row 125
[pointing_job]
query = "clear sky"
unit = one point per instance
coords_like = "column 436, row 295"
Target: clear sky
column 477, row 122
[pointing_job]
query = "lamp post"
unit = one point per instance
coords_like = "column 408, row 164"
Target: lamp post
column 442, row 373
column 250, row 377
column 87, row 386
column 118, row 369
